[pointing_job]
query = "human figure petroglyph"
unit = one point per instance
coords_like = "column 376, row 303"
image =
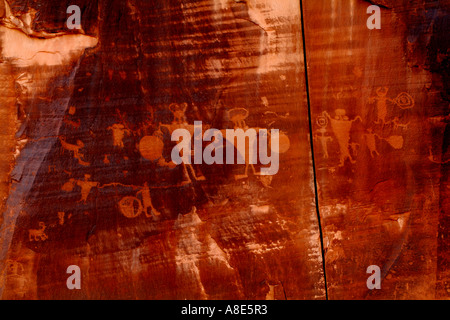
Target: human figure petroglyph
column 370, row 139
column 14, row 268
column 180, row 122
column 322, row 122
column 323, row 139
column 238, row 117
column 341, row 126
column 188, row 168
column 75, row 149
column 86, row 186
column 15, row 274
column 38, row 234
column 381, row 102
column 403, row 101
column 118, row 132
column 52, row 61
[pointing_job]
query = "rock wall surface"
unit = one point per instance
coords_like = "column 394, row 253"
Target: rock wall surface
column 85, row 153
column 379, row 103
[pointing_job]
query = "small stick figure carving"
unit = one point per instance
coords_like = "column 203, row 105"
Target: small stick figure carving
column 403, row 101
column 381, row 99
column 323, row 139
column 371, row 142
column 238, row 117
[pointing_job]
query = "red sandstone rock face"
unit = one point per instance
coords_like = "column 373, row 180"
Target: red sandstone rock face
column 86, row 172
column 380, row 191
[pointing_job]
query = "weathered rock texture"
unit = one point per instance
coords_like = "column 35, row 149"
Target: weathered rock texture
column 87, row 179
column 381, row 96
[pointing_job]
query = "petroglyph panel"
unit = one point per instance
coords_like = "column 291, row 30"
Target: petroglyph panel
column 372, row 94
column 183, row 150
column 94, row 185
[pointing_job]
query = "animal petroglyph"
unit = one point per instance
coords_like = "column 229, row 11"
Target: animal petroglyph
column 398, row 125
column 51, row 59
column 75, row 149
column 238, row 117
column 38, row 234
column 71, row 123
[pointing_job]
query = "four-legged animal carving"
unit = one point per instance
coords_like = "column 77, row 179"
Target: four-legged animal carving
column 38, row 234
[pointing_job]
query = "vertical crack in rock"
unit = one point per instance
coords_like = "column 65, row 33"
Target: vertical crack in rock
column 377, row 157
column 313, row 162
